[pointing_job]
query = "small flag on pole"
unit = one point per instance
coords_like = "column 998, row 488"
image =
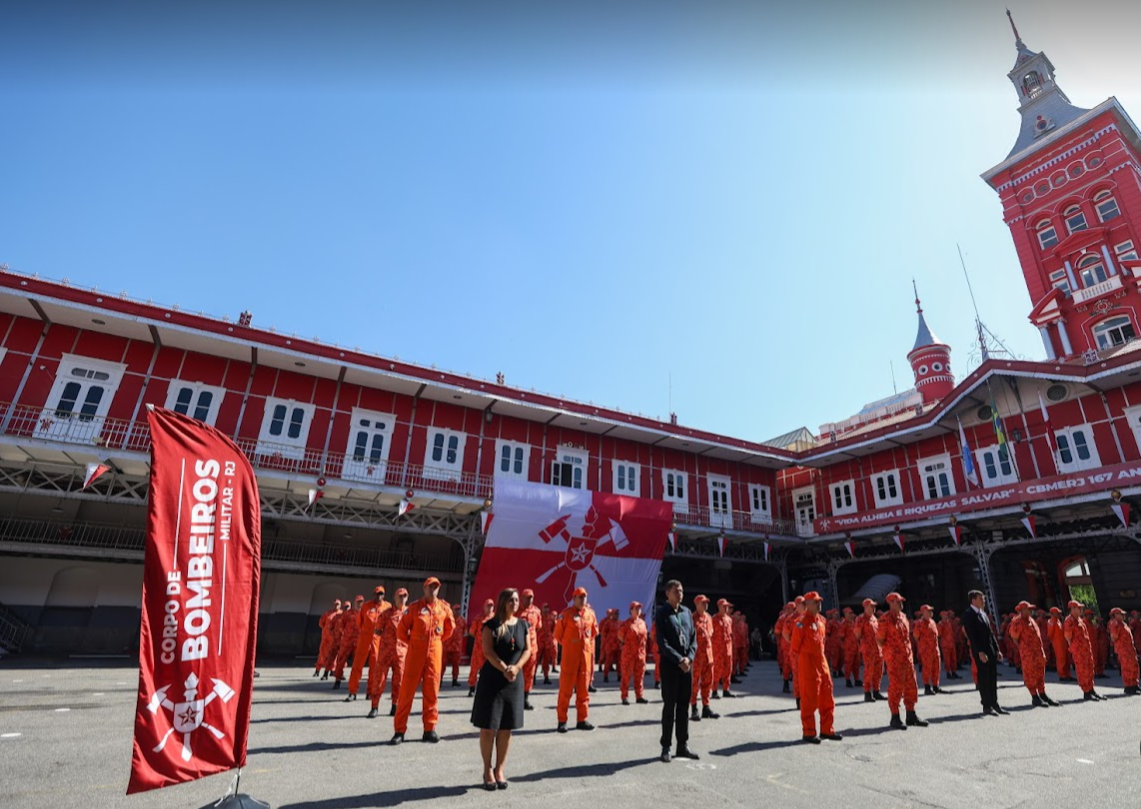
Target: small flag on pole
column 314, row 496
column 406, row 505
column 897, row 537
column 94, row 472
column 1030, row 524
column 1122, row 512
column 851, row 547
column 672, row 537
column 1049, row 428
column 956, row 534
column 485, row 518
column 768, row 550
column 721, row 544
column 970, row 471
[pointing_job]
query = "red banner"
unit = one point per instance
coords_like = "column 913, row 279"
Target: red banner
column 1030, row 491
column 201, row 582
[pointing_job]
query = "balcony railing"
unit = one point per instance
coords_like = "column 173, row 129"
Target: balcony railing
column 105, row 435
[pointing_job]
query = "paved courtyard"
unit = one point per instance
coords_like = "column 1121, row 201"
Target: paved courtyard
column 65, row 740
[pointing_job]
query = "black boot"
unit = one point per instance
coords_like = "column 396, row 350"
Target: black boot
column 897, row 723
column 325, row 676
column 657, row 685
column 455, row 682
column 927, row 692
column 1036, row 702
column 316, row 672
column 625, row 701
column 592, row 689
column 734, row 680
column 372, row 713
column 1088, row 696
column 716, row 694
column 848, row 683
column 786, row 689
column 527, row 706
column 392, row 710
column 913, row 720
column 707, row 713
column 337, row 685
column 471, row 691
column 868, row 697
column 397, row 738
column 430, row 736
column 546, row 680
column 859, row 683
column 642, row 701
column 1049, row 701
column 694, row 716
column 879, row 695
column 728, row 694
column 798, row 703
column 351, row 698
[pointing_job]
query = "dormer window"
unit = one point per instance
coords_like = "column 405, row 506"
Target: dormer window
column 1091, row 270
column 1031, row 84
column 1047, row 234
column 1114, row 332
column 1075, row 219
column 1106, row 206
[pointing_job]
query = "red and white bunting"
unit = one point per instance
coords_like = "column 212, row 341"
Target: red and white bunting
column 94, row 472
column 721, row 544
column 956, row 534
column 897, row 538
column 1122, row 512
column 406, row 505
column 768, row 549
column 1030, row 524
column 672, row 537
column 314, row 496
column 851, row 547
column 485, row 518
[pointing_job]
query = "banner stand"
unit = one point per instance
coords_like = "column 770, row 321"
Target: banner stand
column 232, row 800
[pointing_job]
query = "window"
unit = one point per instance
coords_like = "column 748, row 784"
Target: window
column 1125, row 251
column 195, row 400
column 759, row 502
column 1047, row 234
column 1077, row 170
column 885, row 489
column 720, row 503
column 935, row 474
column 1075, row 219
column 804, row 501
column 1091, row 270
column 1114, row 332
column 1031, row 84
column 512, row 459
column 79, row 399
column 570, row 468
column 674, row 487
column 370, row 436
column 1076, row 449
column 626, row 478
column 285, row 428
column 1058, row 279
column 996, row 466
column 842, row 500
column 445, row 455
column 1106, row 206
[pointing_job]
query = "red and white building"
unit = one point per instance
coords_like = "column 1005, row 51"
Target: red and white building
column 886, row 491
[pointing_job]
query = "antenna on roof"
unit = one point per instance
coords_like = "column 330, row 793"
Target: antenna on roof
column 974, row 304
column 894, row 389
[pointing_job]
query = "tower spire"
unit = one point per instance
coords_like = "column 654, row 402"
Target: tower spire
column 1017, row 39
column 915, row 289
column 930, row 359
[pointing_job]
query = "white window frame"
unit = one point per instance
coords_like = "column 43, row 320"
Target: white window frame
column 1125, row 251
column 719, row 489
column 196, row 390
column 632, row 476
column 578, row 460
column 805, row 498
column 367, row 467
column 760, row 502
column 73, row 425
column 284, row 444
column 1059, row 279
column 1087, row 265
column 1101, row 329
column 1105, row 198
column 1064, row 441
column 1073, row 213
column 924, row 466
column 518, row 453
column 1000, row 478
column 680, row 481
column 1041, row 230
column 887, row 499
column 443, row 469
column 842, row 497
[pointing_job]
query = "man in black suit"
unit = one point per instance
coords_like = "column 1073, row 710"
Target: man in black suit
column 677, row 642
column 984, row 649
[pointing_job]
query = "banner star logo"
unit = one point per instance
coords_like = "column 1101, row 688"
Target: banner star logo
column 189, row 715
column 580, row 553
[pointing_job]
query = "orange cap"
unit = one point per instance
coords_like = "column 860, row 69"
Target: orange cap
column 428, row 582
column 359, row 598
column 868, row 602
column 489, row 602
column 1117, row 611
column 637, row 604
column 797, row 600
column 1073, row 604
column 813, row 596
column 379, row 589
column 1055, row 611
column 579, row 591
column 789, row 605
column 529, row 592
column 927, row 607
column 1023, row 605
column 895, row 597
column 704, row 599
column 401, row 592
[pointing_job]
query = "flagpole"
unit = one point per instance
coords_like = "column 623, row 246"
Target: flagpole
column 1025, row 425
column 996, row 420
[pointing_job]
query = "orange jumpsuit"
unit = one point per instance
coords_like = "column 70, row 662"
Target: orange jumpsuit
column 390, row 655
column 575, row 632
column 850, row 647
column 1056, row 632
column 702, row 659
column 1099, row 639
column 782, row 646
column 1043, row 626
column 548, row 652
column 1081, row 652
column 326, row 653
column 611, row 650
column 808, row 644
column 1126, row 651
column 350, row 633
column 338, row 627
column 866, row 629
column 533, row 617
column 632, row 638
column 927, row 639
column 425, row 628
column 947, row 644
column 894, row 631
column 475, row 629
column 722, row 651
column 832, row 644
column 368, row 644
column 1025, row 632
column 740, row 643
column 453, row 654
column 1135, row 628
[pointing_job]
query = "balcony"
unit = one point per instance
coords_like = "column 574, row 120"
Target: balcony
column 1088, row 294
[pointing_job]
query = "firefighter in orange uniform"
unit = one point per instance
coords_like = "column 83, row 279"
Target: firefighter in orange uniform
column 1055, row 631
column 740, row 644
column 832, row 643
column 611, row 649
column 350, row 632
column 548, row 651
column 1081, row 652
column 338, row 632
column 798, row 610
column 850, row 649
column 475, row 629
column 867, row 625
column 782, row 645
column 1122, row 637
column 1024, row 633
column 534, row 618
column 425, row 627
column 723, row 648
column 926, row 634
column 947, row 647
column 453, row 654
column 894, row 639
column 1099, row 640
column 702, row 660
column 575, row 632
column 632, row 640
column 809, row 643
column 391, row 653
column 325, row 652
column 368, row 644
column 1135, row 628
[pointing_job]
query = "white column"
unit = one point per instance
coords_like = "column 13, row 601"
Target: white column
column 1073, row 281
column 1066, row 349
column 1108, row 260
column 1045, row 332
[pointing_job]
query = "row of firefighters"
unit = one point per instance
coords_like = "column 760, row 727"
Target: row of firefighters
column 382, row 636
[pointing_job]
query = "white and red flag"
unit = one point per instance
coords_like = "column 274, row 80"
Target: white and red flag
column 1031, row 525
column 850, row 546
column 94, row 472
column 314, row 496
column 672, row 537
column 553, row 539
column 406, row 505
column 956, row 534
column 201, row 575
column 721, row 544
column 768, row 550
column 485, row 518
column 1122, row 512
column 897, row 538
column 1049, row 429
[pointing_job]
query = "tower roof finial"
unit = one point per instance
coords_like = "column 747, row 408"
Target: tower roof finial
column 1017, row 39
column 924, row 337
column 918, row 306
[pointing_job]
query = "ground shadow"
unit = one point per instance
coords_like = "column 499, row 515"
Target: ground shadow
column 754, row 747
column 316, row 747
column 584, row 770
column 278, row 719
column 382, row 799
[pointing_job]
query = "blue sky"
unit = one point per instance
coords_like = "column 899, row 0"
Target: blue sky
column 734, row 196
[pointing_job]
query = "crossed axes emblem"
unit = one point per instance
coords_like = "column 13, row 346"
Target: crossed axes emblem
column 597, row 531
column 187, row 717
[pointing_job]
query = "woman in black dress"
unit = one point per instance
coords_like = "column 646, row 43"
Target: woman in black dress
column 498, row 708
